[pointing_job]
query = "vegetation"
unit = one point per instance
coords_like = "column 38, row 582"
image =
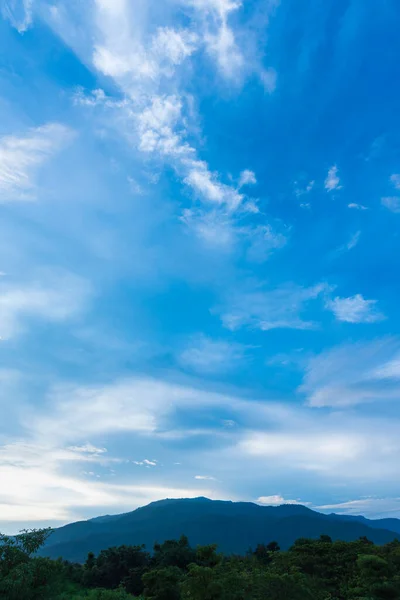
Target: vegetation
column 310, row 570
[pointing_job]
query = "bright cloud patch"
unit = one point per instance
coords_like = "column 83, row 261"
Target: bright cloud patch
column 332, row 182
column 355, row 309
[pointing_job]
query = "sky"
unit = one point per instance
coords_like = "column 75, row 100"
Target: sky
column 199, row 255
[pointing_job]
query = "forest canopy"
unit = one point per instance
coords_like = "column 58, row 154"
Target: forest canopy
column 310, row 570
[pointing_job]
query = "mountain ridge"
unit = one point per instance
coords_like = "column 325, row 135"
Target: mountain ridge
column 234, row 526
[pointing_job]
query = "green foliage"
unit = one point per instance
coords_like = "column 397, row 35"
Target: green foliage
column 22, row 576
column 174, row 553
column 318, row 569
column 162, row 584
column 100, row 594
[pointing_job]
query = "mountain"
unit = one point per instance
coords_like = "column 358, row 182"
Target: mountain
column 234, row 526
column 390, row 524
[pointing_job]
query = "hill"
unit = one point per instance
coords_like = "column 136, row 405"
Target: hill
column 234, row 526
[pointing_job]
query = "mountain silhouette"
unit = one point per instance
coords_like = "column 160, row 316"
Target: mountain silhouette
column 234, row 526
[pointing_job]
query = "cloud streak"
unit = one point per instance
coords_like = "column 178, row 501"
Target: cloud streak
column 354, row 374
column 21, row 157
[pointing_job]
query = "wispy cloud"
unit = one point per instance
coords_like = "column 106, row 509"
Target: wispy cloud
column 52, row 297
column 147, row 66
column 356, row 206
column 219, row 37
column 353, row 374
column 371, row 507
column 263, row 241
column 280, row 308
column 392, row 203
column 276, row 500
column 300, row 190
column 332, row 182
column 145, row 463
column 19, row 13
column 22, row 156
column 353, row 241
column 88, row 448
column 207, row 355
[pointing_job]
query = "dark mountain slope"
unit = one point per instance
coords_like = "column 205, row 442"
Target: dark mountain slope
column 234, row 526
column 391, row 524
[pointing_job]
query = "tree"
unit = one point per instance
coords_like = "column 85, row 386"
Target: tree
column 21, row 576
column 174, row 553
column 162, row 584
column 115, row 565
column 202, row 583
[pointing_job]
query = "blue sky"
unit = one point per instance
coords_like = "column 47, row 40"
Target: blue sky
column 200, row 207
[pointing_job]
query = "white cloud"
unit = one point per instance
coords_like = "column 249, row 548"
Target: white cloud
column 205, row 478
column 356, row 206
column 247, row 177
column 206, row 355
column 19, row 13
column 146, row 405
column 223, row 47
column 45, row 470
column 221, row 7
column 162, row 132
column 354, row 374
column 22, row 156
column 371, row 507
column 332, row 182
column 53, row 297
column 219, row 37
column 97, row 98
column 173, row 45
column 312, row 450
column 145, row 463
column 160, row 113
column 39, row 491
column 276, row 500
column 392, row 203
column 355, row 309
column 87, row 449
column 205, row 183
column 156, row 125
column 340, row 447
column 280, row 308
